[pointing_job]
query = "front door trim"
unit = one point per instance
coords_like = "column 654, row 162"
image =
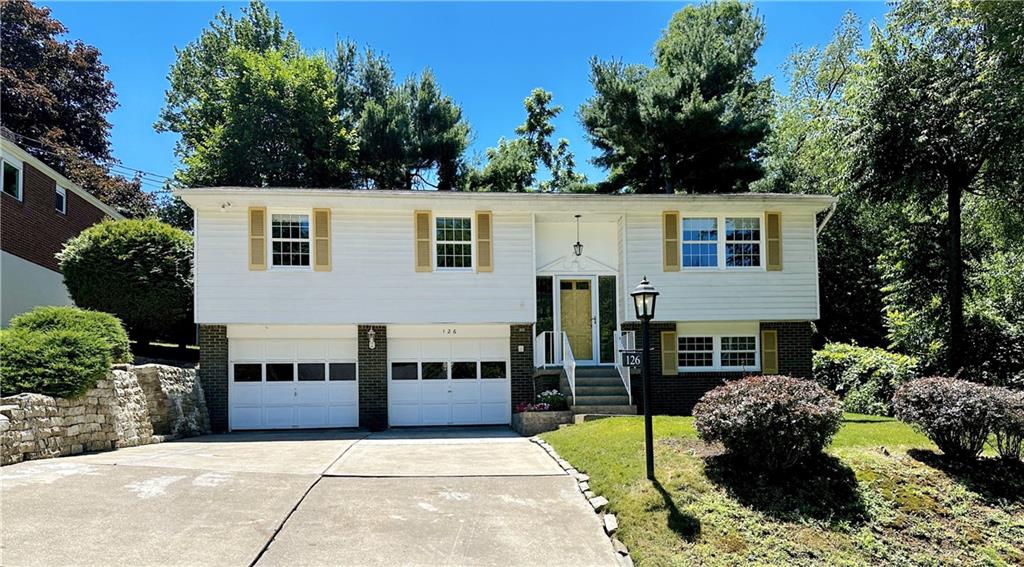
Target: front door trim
column 595, row 323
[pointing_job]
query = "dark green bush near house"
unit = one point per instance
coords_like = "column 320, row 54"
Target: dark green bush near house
column 138, row 270
column 864, row 378
column 55, row 318
column 1008, row 428
column 59, row 363
column 770, row 422
column 955, row 414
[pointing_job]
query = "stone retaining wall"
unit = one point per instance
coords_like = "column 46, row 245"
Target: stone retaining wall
column 122, row 410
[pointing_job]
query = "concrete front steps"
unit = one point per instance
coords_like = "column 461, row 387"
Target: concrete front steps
column 599, row 390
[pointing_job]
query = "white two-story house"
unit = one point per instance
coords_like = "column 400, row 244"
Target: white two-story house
column 343, row 308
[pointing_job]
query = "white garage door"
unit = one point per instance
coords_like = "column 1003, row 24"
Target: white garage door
column 448, row 381
column 293, row 383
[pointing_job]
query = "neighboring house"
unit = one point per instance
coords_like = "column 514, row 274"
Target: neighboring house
column 39, row 211
column 331, row 308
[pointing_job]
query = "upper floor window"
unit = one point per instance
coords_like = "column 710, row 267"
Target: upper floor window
column 700, row 242
column 289, row 239
column 454, row 242
column 742, row 242
column 61, row 200
column 12, row 179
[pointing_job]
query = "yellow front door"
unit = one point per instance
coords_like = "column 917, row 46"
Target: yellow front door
column 577, row 317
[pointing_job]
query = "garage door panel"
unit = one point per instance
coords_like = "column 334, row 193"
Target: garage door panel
column 405, row 392
column 311, row 350
column 279, row 416
column 343, row 416
column 434, row 391
column 248, row 350
column 345, row 393
column 246, row 418
column 280, row 350
column 311, row 416
column 248, row 394
column 465, row 391
column 343, row 349
column 494, row 350
column 404, row 414
column 465, row 349
column 435, row 413
column 307, row 393
column 438, row 349
column 493, row 390
column 495, row 412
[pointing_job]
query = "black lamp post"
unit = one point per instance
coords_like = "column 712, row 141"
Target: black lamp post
column 644, row 298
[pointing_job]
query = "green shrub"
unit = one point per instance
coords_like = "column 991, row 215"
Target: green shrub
column 956, row 415
column 74, row 319
column 59, row 363
column 771, row 422
column 1008, row 428
column 139, row 270
column 864, row 378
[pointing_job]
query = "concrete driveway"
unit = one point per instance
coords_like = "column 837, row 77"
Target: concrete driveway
column 472, row 496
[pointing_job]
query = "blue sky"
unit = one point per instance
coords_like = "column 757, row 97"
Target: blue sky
column 487, row 56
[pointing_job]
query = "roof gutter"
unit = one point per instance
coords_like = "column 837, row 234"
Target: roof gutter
column 828, row 217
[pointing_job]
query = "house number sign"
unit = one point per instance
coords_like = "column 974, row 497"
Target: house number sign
column 632, row 359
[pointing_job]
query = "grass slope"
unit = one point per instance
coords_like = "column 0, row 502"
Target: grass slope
column 880, row 496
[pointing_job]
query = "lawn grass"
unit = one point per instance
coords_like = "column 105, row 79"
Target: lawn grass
column 881, row 495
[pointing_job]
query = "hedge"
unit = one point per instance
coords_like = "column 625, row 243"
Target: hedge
column 58, row 363
column 864, row 378
column 104, row 325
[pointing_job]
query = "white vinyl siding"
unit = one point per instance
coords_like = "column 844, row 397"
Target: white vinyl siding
column 374, row 277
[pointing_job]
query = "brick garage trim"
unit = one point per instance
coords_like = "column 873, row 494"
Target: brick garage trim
column 676, row 395
column 373, row 377
column 213, row 373
column 521, row 363
column 33, row 229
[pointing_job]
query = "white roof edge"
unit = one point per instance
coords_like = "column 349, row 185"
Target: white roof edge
column 23, row 155
column 823, row 200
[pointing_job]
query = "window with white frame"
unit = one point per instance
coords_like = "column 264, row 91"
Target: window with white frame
column 738, row 351
column 61, row 200
column 742, row 242
column 454, row 242
column 12, row 179
column 700, row 242
column 289, row 240
column 711, row 352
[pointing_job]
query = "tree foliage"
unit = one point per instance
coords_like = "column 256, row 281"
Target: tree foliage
column 56, row 98
column 692, row 122
column 138, row 270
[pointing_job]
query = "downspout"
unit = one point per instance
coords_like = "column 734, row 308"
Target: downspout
column 831, row 211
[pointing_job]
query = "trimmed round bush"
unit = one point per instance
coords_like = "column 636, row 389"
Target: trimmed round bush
column 74, row 319
column 139, row 270
column 864, row 378
column 59, row 363
column 1008, row 426
column 771, row 422
column 955, row 414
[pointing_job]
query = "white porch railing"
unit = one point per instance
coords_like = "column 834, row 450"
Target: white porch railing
column 569, row 365
column 546, row 350
column 624, row 340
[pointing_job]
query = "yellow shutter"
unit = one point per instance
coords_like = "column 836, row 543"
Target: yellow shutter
column 773, row 241
column 769, row 352
column 424, row 239
column 669, row 354
column 322, row 240
column 484, row 243
column 670, row 240
column 257, row 238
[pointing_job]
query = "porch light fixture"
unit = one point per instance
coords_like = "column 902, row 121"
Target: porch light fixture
column 644, row 298
column 577, row 248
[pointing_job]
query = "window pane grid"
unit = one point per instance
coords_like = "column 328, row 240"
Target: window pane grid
column 454, row 248
column 742, row 242
column 696, row 351
column 739, row 351
column 290, row 240
column 700, row 242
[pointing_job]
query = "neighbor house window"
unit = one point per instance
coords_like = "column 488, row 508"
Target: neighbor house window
column 289, row 237
column 739, row 351
column 454, row 237
column 61, row 200
column 696, row 352
column 700, row 242
column 12, row 180
column 742, row 242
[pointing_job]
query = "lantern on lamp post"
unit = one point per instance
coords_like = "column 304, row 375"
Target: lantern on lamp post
column 644, row 299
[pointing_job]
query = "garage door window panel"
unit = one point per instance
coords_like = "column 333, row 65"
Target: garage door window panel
column 280, row 372
column 435, row 371
column 246, row 372
column 312, row 372
column 342, row 371
column 464, row 371
column 493, row 370
column 404, row 371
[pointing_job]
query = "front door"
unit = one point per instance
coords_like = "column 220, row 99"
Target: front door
column 577, row 317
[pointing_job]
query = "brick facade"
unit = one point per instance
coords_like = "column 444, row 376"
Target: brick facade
column 213, row 373
column 32, row 227
column 373, row 378
column 521, row 363
column 676, row 395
